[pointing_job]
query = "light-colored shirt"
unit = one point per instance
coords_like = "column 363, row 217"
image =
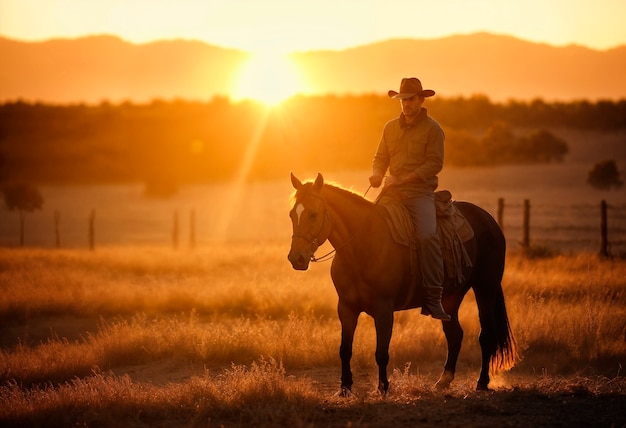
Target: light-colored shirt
column 411, row 147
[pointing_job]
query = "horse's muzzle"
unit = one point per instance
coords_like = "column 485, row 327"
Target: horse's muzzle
column 298, row 260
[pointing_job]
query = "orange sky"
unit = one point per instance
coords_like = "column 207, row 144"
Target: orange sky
column 271, row 28
column 281, row 26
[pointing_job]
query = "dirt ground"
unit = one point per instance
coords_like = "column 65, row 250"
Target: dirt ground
column 525, row 400
column 518, row 398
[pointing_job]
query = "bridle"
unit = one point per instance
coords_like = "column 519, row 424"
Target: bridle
column 319, row 241
column 318, row 238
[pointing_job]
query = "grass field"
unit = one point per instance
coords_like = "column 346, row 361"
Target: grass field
column 229, row 335
column 138, row 334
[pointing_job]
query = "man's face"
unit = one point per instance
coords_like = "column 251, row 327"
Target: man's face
column 412, row 106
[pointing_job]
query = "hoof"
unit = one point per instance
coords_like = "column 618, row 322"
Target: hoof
column 383, row 388
column 444, row 381
column 442, row 385
column 345, row 392
column 482, row 387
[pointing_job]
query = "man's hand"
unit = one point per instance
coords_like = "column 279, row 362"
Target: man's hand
column 393, row 180
column 376, row 180
column 398, row 180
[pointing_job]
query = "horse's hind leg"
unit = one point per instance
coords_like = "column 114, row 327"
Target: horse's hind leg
column 454, row 336
column 487, row 340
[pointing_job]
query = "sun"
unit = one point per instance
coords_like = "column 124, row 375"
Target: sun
column 268, row 78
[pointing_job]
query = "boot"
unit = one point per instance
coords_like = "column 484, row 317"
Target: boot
column 432, row 304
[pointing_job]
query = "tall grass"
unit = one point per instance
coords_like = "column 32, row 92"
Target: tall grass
column 250, row 328
column 235, row 280
column 571, row 313
column 256, row 395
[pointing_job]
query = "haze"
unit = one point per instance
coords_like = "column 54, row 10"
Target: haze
column 281, row 26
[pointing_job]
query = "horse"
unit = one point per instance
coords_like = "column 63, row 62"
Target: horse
column 372, row 274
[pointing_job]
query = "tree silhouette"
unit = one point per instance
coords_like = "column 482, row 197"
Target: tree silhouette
column 157, row 142
column 499, row 144
column 22, row 197
column 604, row 175
column 542, row 146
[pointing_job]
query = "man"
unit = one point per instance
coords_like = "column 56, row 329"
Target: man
column 411, row 147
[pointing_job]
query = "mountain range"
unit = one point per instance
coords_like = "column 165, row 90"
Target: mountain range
column 97, row 68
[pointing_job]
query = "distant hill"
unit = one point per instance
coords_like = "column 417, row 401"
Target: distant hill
column 95, row 68
column 104, row 67
column 500, row 67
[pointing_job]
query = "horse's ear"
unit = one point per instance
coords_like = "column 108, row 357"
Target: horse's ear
column 295, row 182
column 319, row 182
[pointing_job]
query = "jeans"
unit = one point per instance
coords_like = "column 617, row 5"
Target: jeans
column 422, row 210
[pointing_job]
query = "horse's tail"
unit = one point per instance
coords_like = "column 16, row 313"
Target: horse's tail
column 496, row 335
column 496, row 338
column 504, row 351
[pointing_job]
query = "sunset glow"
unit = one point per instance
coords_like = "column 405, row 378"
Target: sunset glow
column 304, row 47
column 268, row 78
column 285, row 26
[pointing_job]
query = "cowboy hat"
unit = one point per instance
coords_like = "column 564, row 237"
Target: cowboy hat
column 410, row 87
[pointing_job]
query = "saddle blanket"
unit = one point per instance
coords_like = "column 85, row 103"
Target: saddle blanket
column 453, row 229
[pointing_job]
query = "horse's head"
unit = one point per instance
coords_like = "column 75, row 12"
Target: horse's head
column 309, row 217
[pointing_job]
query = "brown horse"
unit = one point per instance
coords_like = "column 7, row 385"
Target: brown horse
column 372, row 274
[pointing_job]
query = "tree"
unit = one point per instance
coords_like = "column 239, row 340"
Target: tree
column 24, row 198
column 543, row 146
column 604, row 175
column 499, row 144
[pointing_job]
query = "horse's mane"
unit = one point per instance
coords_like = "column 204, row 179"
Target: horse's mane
column 349, row 194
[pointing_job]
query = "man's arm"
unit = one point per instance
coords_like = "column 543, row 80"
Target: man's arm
column 434, row 156
column 380, row 162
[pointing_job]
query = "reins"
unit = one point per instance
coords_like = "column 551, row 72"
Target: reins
column 326, row 257
column 368, row 189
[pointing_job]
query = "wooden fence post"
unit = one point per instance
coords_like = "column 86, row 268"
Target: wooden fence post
column 526, row 237
column 501, row 213
column 22, row 221
column 604, row 240
column 192, row 229
column 92, row 230
column 175, row 231
column 57, row 233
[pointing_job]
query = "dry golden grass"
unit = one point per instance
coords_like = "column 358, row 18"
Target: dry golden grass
column 258, row 342
column 570, row 310
column 235, row 280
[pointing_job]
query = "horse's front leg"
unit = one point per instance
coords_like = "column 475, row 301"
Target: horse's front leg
column 384, row 326
column 454, row 337
column 348, row 317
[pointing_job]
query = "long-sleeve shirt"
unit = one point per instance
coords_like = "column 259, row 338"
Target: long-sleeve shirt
column 414, row 147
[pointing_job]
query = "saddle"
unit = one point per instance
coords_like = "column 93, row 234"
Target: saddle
column 453, row 229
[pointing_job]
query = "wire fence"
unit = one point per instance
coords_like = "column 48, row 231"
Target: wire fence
column 565, row 227
column 123, row 216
